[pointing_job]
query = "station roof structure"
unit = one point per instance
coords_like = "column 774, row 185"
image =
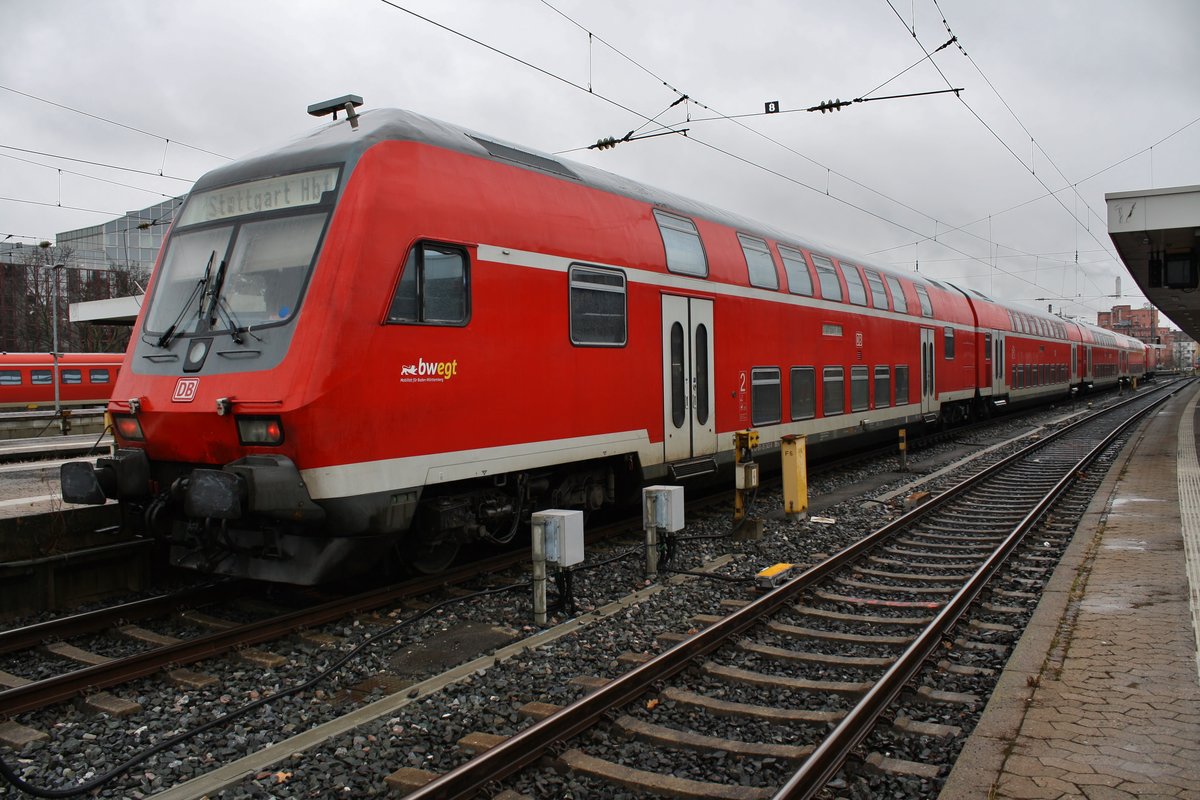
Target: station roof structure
column 116, row 311
column 1157, row 235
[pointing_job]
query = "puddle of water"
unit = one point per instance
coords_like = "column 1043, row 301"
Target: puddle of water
column 1136, row 545
column 1105, row 605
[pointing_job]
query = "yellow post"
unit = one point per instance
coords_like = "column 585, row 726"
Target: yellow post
column 744, row 443
column 794, row 456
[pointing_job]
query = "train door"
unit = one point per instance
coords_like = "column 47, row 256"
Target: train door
column 689, row 396
column 998, row 386
column 928, row 375
column 1074, row 376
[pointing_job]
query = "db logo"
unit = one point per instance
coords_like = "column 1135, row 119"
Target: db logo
column 185, row 390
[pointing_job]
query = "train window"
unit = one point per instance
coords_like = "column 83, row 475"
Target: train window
column 804, row 393
column 883, row 387
column 10, row 377
column 833, row 397
column 433, row 287
column 678, row 399
column 71, row 376
column 794, row 266
column 899, row 302
column 41, row 377
column 597, row 301
column 759, row 262
column 901, row 384
column 831, row 289
column 923, row 299
column 854, row 285
column 987, row 347
column 765, row 403
column 949, row 342
column 700, row 351
column 98, row 376
column 878, row 295
column 860, row 389
column 681, row 240
column 831, row 329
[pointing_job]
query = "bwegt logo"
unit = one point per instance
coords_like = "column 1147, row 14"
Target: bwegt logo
column 444, row 370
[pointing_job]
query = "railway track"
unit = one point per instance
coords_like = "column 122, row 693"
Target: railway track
column 167, row 653
column 879, row 609
column 91, row 678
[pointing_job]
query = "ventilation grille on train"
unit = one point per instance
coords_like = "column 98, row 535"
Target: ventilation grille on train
column 524, row 158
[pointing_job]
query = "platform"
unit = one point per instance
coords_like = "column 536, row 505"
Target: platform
column 1101, row 698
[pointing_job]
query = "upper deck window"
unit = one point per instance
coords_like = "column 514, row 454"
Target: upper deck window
column 898, row 300
column 759, row 262
column 923, row 299
column 878, row 295
column 831, row 288
column 685, row 251
column 794, row 266
column 854, row 284
column 10, row 377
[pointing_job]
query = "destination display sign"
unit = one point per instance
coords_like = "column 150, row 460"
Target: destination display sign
column 270, row 194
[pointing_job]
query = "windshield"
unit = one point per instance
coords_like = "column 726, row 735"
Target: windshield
column 265, row 262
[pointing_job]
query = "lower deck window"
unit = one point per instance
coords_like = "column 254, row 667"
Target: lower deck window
column 883, row 387
column 902, row 385
column 860, row 389
column 765, row 403
column 804, row 393
column 834, row 391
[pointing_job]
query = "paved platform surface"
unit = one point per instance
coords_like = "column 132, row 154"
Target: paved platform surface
column 1101, row 698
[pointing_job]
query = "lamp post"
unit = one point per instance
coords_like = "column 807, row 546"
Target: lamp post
column 54, row 334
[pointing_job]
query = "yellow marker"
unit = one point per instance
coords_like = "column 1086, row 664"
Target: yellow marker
column 772, row 576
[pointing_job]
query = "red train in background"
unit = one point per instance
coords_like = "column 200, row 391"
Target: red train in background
column 394, row 336
column 85, row 379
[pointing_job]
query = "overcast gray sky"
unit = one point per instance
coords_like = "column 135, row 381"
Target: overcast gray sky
column 1092, row 95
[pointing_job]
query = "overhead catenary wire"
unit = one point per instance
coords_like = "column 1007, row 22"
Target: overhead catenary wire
column 996, row 135
column 736, row 119
column 611, row 101
column 114, row 122
column 96, row 163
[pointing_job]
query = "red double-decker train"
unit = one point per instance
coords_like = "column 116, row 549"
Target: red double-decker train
column 395, row 335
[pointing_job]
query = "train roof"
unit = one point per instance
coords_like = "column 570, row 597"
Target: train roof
column 340, row 143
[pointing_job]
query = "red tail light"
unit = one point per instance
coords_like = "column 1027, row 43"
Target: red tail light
column 260, row 430
column 128, row 427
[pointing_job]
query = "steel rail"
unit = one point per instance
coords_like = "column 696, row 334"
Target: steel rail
column 528, row 745
column 91, row 621
column 39, row 694
column 820, row 767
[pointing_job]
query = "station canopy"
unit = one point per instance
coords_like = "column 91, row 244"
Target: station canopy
column 1157, row 234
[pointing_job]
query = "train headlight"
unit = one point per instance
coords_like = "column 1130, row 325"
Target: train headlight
column 260, row 430
column 128, row 427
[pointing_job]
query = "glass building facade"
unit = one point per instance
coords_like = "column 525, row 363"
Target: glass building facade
column 132, row 240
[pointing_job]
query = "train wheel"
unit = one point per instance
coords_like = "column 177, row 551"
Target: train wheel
column 430, row 558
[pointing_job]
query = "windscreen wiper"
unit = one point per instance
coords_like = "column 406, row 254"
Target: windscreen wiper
column 214, row 294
